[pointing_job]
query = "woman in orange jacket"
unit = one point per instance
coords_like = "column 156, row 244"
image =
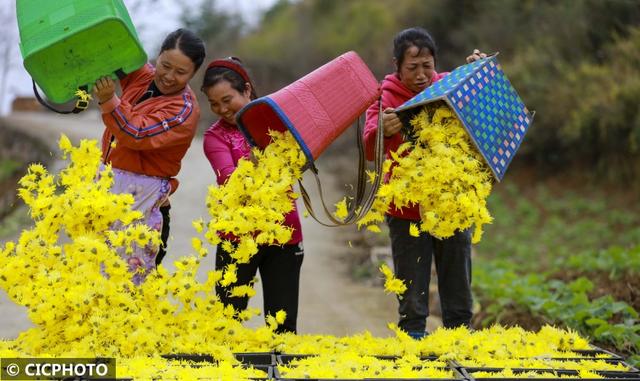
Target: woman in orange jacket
column 148, row 130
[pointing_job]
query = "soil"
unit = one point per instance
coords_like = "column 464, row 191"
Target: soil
column 511, row 317
column 527, row 174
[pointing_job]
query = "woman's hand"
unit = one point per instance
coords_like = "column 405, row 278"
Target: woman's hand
column 476, row 55
column 391, row 124
column 104, row 89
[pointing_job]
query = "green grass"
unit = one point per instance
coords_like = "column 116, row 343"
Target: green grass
column 537, row 228
column 604, row 320
column 537, row 235
column 15, row 222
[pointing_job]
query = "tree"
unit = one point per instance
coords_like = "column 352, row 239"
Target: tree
column 219, row 29
column 9, row 32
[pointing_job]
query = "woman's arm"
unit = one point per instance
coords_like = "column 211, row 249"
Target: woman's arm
column 390, row 124
column 218, row 153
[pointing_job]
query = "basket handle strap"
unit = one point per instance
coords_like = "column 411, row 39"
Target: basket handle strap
column 81, row 104
column 362, row 201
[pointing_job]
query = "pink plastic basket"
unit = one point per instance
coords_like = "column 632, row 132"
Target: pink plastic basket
column 317, row 108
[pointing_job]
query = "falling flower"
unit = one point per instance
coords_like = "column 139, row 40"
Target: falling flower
column 413, row 230
column 341, row 209
column 442, row 173
column 391, row 283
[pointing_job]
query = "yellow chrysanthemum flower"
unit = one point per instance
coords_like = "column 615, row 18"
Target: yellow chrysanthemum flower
column 442, row 173
column 341, row 209
column 391, row 283
column 413, row 230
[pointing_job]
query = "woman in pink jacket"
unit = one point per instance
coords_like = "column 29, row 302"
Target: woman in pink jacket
column 414, row 56
column 229, row 88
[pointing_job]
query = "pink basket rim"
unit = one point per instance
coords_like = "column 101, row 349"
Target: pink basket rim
column 283, row 118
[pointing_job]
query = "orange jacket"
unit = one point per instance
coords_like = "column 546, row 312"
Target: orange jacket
column 151, row 137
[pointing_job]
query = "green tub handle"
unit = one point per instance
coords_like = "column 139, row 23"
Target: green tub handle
column 81, row 104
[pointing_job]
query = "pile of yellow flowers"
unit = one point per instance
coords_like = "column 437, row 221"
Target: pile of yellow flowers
column 352, row 365
column 442, row 172
column 545, row 363
column 253, row 202
column 510, row 374
column 78, row 292
column 158, row 368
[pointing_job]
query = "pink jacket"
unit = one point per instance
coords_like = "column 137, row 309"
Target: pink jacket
column 394, row 94
column 224, row 146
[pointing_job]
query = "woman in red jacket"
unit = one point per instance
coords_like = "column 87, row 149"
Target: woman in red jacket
column 229, row 88
column 414, row 56
column 148, row 130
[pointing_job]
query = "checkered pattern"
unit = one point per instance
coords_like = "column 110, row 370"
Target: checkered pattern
column 487, row 105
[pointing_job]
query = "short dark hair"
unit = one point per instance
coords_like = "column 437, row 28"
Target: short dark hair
column 216, row 74
column 188, row 43
column 415, row 36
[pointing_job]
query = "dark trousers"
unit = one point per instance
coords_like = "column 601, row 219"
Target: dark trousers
column 280, row 274
column 164, row 234
column 412, row 263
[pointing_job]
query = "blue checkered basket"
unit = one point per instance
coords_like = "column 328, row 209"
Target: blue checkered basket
column 491, row 111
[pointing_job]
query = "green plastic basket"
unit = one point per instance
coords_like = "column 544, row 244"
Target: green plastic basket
column 67, row 44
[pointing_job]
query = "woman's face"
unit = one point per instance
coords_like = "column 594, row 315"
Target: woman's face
column 416, row 71
column 173, row 71
column 225, row 101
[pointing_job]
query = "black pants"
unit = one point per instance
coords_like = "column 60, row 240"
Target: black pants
column 280, row 274
column 164, row 234
column 412, row 263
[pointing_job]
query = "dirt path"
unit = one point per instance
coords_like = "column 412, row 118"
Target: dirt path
column 330, row 302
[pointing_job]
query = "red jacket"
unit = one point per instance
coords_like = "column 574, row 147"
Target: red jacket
column 153, row 136
column 394, row 94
